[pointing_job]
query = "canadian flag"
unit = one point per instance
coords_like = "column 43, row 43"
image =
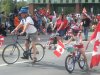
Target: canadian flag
column 60, row 49
column 95, row 38
column 1, row 40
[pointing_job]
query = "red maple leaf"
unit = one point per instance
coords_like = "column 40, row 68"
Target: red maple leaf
column 97, row 43
column 60, row 49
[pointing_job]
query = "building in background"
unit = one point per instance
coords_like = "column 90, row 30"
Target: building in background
column 68, row 6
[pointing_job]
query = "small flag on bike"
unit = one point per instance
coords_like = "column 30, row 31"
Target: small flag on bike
column 1, row 40
column 60, row 49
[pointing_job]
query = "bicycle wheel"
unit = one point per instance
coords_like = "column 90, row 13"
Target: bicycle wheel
column 69, row 63
column 81, row 63
column 10, row 54
column 40, row 53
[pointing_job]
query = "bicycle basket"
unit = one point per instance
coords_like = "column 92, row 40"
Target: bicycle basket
column 70, row 48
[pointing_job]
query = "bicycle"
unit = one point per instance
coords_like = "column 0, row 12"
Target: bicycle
column 73, row 57
column 11, row 52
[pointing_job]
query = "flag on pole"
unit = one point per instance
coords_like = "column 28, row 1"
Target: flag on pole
column 1, row 40
column 95, row 38
column 84, row 11
column 60, row 49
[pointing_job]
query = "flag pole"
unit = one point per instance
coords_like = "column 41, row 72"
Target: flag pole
column 87, row 45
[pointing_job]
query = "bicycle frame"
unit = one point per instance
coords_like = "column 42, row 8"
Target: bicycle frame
column 76, row 56
column 17, row 43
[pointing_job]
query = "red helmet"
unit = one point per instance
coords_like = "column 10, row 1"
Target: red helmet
column 98, row 16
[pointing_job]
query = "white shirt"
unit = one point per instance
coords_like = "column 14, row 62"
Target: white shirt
column 31, row 28
column 77, row 39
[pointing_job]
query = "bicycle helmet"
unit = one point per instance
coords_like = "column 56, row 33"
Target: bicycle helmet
column 23, row 10
column 98, row 17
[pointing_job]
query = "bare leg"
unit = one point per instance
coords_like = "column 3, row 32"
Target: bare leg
column 85, row 58
column 25, row 55
column 34, row 50
column 27, row 45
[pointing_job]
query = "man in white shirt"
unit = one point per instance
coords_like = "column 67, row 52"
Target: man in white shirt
column 30, row 31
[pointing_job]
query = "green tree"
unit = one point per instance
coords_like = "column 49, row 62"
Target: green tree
column 69, row 10
column 21, row 4
column 7, row 6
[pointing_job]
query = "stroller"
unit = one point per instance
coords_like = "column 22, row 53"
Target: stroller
column 52, row 41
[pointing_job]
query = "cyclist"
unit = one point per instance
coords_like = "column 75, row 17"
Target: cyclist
column 77, row 36
column 29, row 29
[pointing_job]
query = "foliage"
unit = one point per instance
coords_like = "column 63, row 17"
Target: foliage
column 69, row 10
column 21, row 3
column 8, row 6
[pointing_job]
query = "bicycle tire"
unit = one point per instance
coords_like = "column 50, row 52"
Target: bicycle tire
column 41, row 51
column 71, row 65
column 81, row 63
column 10, row 54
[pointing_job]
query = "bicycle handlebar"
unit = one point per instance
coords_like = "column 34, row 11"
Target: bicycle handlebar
column 15, row 36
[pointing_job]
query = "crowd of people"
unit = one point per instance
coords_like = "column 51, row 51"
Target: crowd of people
column 46, row 23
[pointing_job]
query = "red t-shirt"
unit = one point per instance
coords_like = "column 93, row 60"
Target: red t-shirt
column 59, row 22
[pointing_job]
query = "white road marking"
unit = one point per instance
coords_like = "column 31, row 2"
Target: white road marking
column 14, row 63
column 3, row 65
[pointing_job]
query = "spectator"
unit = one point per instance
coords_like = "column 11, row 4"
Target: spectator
column 61, row 25
column 2, row 30
column 86, row 25
column 17, row 21
column 2, row 17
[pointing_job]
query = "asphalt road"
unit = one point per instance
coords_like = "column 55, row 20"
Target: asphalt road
column 50, row 65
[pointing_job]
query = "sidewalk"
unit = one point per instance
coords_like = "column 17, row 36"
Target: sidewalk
column 90, row 33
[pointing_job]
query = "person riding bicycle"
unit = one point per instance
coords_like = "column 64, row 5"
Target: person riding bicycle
column 78, row 45
column 29, row 29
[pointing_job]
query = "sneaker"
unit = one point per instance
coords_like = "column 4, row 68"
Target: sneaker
column 25, row 57
column 34, row 60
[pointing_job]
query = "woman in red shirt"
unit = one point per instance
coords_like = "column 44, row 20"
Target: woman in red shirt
column 61, row 25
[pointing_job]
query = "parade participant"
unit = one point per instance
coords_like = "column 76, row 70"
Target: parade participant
column 30, row 30
column 78, row 45
column 86, row 25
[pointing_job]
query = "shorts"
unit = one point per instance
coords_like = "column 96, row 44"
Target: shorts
column 79, row 46
column 61, row 33
column 31, row 37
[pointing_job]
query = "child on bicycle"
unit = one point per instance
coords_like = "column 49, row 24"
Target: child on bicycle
column 77, row 37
